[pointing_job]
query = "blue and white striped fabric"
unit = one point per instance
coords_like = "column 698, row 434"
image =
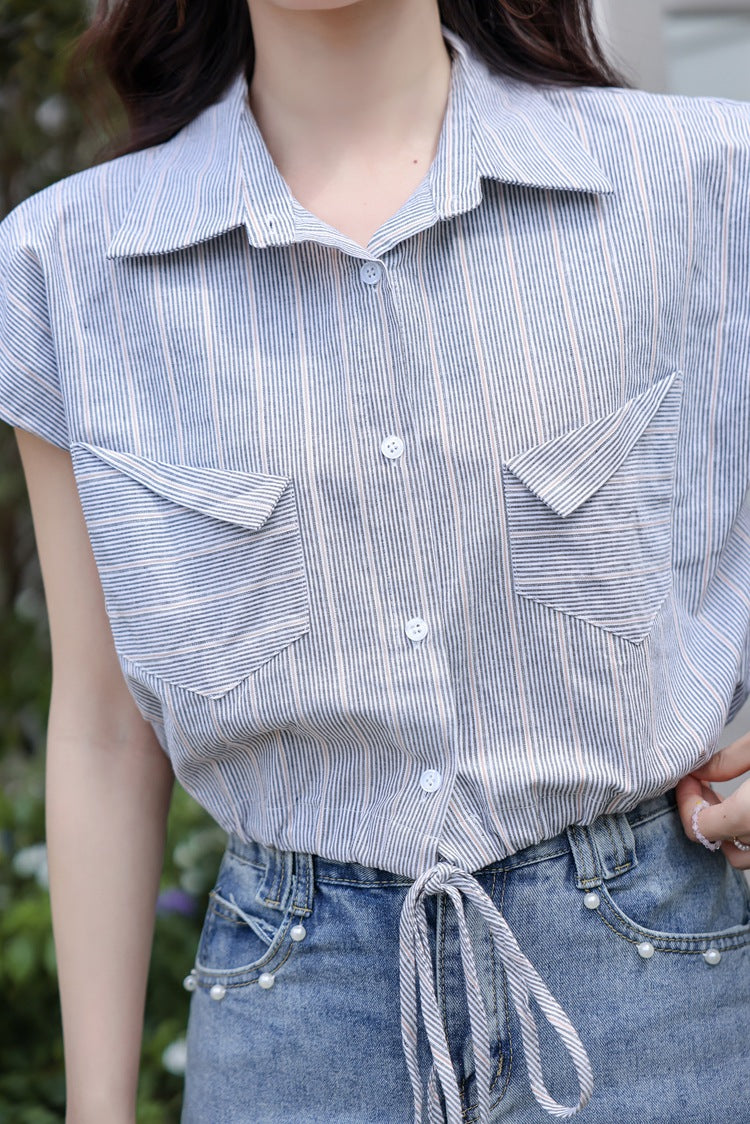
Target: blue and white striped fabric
column 422, row 550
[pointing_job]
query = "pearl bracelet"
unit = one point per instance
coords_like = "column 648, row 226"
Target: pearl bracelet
column 697, row 831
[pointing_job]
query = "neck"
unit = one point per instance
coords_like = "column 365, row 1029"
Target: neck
column 369, row 76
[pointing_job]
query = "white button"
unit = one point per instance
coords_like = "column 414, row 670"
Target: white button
column 298, row 932
column 712, row 956
column 392, row 447
column 591, row 900
column 416, row 629
column 266, row 980
column 218, row 991
column 189, row 983
column 371, row 272
column 645, row 949
column 430, row 780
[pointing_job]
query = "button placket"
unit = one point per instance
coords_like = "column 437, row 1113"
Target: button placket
column 416, row 628
column 433, row 783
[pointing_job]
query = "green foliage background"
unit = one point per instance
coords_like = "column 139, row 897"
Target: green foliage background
column 44, row 136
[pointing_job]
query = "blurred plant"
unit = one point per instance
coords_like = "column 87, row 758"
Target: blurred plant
column 31, row 1076
column 41, row 135
column 45, row 135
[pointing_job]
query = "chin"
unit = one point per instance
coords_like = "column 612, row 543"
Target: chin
column 313, row 5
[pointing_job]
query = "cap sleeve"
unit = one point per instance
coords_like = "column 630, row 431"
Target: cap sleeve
column 30, row 393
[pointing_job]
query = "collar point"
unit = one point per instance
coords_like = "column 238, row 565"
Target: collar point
column 116, row 249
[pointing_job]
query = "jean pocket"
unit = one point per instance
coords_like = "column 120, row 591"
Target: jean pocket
column 679, row 895
column 248, row 929
column 589, row 514
column 202, row 568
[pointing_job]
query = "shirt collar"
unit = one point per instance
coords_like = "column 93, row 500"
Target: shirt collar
column 217, row 174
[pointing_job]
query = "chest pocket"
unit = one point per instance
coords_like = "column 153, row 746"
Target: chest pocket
column 590, row 514
column 202, row 568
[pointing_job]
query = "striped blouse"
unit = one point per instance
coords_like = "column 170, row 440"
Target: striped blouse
column 422, row 550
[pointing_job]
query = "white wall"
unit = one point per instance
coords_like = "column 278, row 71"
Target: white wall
column 632, row 31
column 680, row 46
column 709, row 54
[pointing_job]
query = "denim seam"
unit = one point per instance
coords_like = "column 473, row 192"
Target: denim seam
column 625, row 848
column 499, row 867
column 225, row 975
column 668, row 811
column 228, row 982
column 625, row 828
column 303, row 890
column 506, row 1005
column 507, row 865
column 619, row 847
column 245, row 862
column 468, row 1109
column 469, row 1114
column 584, row 844
column 493, row 973
column 661, row 940
column 612, row 825
column 678, row 951
column 606, row 823
column 338, row 881
column 303, row 884
column 596, row 878
column 280, row 860
column 215, row 907
column 364, row 885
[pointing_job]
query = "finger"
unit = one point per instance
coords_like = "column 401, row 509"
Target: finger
column 723, row 819
column 689, row 792
column 736, row 857
column 727, row 763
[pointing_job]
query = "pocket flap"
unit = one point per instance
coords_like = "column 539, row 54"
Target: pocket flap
column 243, row 499
column 569, row 469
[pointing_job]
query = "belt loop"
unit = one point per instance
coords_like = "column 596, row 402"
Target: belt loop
column 288, row 881
column 603, row 849
column 302, row 902
column 276, row 886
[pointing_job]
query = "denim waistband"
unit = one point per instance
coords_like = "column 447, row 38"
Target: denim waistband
column 601, row 850
column 333, row 870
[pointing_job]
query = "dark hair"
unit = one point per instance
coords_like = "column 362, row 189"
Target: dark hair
column 166, row 60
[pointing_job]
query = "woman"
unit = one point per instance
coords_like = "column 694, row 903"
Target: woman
column 384, row 411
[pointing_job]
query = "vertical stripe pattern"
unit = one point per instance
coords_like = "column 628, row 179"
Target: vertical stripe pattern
column 413, row 553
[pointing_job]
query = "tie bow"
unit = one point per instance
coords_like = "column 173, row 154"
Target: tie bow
column 524, row 983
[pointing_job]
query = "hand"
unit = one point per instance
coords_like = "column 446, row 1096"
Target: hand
column 725, row 818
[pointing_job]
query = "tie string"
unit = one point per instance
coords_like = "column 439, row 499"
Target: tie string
column 524, row 982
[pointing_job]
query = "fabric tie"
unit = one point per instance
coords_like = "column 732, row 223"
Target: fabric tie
column 524, row 983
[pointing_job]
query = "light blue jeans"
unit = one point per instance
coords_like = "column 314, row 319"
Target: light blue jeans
column 642, row 937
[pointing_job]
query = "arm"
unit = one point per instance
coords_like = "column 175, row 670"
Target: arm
column 108, row 789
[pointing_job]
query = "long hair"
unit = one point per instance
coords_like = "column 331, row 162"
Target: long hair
column 166, row 60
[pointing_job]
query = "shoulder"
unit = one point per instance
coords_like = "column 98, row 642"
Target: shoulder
column 702, row 134
column 78, row 213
